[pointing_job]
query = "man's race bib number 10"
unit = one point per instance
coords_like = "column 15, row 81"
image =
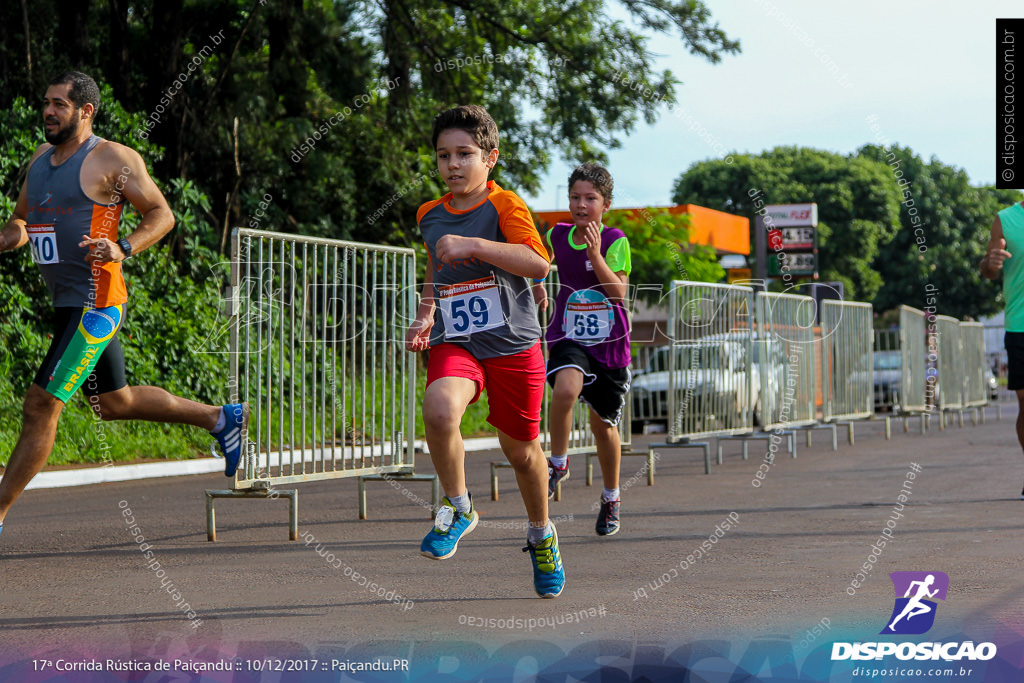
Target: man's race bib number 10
column 43, row 241
column 470, row 307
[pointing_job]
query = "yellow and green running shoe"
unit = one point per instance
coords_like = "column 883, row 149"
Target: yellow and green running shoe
column 548, row 575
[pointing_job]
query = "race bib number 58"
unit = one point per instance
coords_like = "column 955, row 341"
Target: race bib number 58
column 470, row 307
column 588, row 317
column 43, row 241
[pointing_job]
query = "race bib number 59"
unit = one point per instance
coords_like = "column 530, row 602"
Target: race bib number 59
column 43, row 241
column 470, row 307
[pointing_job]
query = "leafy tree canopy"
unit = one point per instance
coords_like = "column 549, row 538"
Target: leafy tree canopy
column 661, row 252
column 945, row 224
column 857, row 197
column 233, row 89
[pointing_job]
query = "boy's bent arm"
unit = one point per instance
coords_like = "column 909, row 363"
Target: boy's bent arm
column 613, row 283
column 518, row 259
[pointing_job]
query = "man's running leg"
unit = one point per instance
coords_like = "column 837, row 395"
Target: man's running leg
column 1020, row 424
column 154, row 404
column 227, row 424
column 41, row 412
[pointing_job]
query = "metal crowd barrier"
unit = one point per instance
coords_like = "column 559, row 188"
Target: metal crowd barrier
column 887, row 357
column 848, row 362
column 916, row 392
column 951, row 367
column 317, row 329
column 786, row 367
column 786, row 333
column 581, row 439
column 710, row 389
column 976, row 390
column 651, row 406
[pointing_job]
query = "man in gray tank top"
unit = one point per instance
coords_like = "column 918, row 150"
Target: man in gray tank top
column 68, row 214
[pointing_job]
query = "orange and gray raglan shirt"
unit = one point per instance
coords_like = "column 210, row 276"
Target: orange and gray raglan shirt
column 487, row 310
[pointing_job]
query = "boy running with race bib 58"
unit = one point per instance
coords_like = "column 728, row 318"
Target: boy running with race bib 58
column 588, row 336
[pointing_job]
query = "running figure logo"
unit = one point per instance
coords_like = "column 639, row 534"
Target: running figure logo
column 914, row 614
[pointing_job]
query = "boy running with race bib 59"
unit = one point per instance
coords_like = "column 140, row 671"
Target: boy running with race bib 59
column 478, row 318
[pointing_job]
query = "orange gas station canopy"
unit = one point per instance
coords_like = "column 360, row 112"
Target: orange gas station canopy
column 727, row 233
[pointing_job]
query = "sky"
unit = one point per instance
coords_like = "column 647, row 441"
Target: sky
column 810, row 74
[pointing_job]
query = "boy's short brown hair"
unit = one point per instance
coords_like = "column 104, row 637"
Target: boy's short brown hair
column 471, row 118
column 595, row 174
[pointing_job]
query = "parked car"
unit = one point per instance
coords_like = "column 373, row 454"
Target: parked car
column 714, row 370
column 992, row 384
column 888, row 375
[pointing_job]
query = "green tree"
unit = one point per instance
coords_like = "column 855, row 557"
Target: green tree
column 661, row 251
column 238, row 85
column 857, row 197
column 945, row 226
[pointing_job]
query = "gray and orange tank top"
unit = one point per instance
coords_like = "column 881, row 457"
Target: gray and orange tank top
column 60, row 215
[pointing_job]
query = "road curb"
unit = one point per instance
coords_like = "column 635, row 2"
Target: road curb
column 177, row 468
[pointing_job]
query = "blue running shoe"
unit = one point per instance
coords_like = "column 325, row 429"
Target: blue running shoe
column 450, row 526
column 548, row 575
column 231, row 438
column 555, row 475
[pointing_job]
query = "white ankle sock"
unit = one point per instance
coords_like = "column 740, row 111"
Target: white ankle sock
column 610, row 495
column 537, row 534
column 221, row 421
column 461, row 503
column 560, row 461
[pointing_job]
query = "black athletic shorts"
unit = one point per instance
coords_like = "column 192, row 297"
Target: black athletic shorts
column 84, row 353
column 604, row 389
column 1014, row 343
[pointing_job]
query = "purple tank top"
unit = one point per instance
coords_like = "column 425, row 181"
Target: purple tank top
column 583, row 313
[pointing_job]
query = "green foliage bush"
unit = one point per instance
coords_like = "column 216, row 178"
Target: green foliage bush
column 661, row 251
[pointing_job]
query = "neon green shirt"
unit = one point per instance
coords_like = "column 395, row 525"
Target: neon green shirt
column 618, row 257
column 1012, row 220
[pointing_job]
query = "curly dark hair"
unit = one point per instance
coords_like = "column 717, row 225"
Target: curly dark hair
column 597, row 175
column 83, row 89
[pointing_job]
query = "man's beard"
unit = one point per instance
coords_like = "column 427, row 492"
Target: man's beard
column 61, row 135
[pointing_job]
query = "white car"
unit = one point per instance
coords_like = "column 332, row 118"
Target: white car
column 713, row 379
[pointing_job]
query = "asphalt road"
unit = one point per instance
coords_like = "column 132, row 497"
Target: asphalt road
column 77, row 585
